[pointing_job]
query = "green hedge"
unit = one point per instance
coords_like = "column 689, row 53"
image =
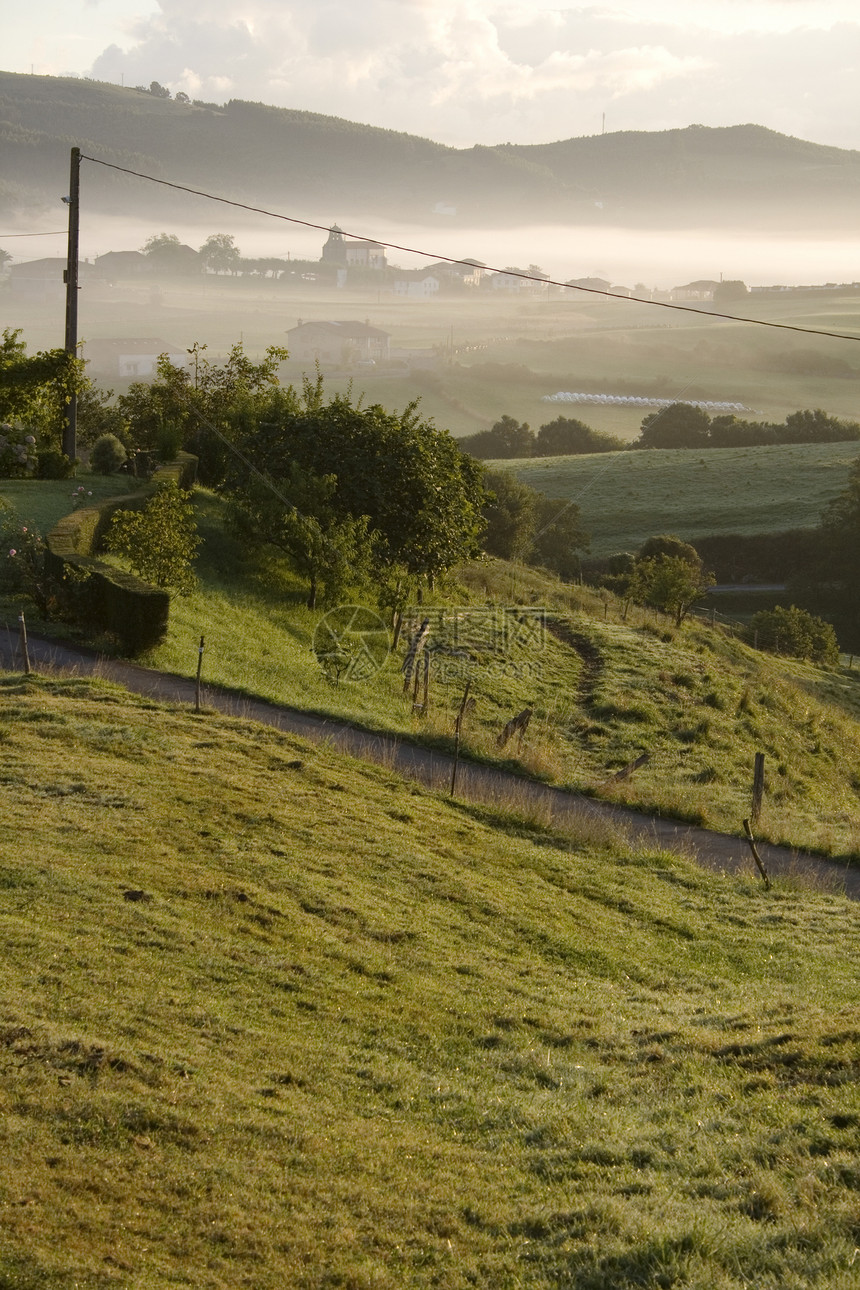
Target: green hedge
column 99, row 595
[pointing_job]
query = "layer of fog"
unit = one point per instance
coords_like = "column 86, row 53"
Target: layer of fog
column 624, row 256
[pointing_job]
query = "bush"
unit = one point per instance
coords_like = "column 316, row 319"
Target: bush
column 108, row 455
column 53, row 464
column 22, row 559
column 17, row 452
column 160, row 541
column 796, row 633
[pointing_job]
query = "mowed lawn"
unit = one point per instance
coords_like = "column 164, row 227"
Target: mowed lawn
column 626, row 497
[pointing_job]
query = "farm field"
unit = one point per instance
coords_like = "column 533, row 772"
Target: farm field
column 626, row 497
column 277, row 1018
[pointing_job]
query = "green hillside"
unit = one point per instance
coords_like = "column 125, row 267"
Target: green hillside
column 273, row 1018
column 626, row 497
column 748, row 174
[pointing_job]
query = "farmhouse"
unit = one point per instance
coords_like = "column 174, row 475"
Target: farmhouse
column 416, row 285
column 130, row 359
column 337, row 342
column 43, row 280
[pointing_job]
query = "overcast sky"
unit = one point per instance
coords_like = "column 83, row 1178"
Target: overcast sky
column 474, row 71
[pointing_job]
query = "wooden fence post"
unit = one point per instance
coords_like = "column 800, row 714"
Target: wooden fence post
column 457, row 728
column 758, row 787
column 22, row 637
column 412, row 653
column 756, row 856
column 199, row 670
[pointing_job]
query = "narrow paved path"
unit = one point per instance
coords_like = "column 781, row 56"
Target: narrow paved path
column 487, row 783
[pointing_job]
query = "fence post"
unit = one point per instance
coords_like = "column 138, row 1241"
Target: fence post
column 756, row 856
column 199, row 670
column 22, row 637
column 457, row 727
column 758, row 787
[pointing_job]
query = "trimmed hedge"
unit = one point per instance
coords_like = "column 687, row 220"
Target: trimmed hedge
column 99, row 595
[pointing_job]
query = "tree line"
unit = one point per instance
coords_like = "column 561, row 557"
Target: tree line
column 681, row 425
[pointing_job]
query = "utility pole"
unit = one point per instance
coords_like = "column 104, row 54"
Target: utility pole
column 71, row 280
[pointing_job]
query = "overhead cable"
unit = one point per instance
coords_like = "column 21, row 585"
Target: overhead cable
column 448, row 259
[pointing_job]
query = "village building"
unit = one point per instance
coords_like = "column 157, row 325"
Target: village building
column 130, row 359
column 343, row 343
column 417, row 285
column 352, row 253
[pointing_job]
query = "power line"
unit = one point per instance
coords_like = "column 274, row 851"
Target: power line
column 449, row 259
column 59, row 232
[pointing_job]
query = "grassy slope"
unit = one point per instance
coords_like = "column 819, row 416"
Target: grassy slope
column 629, row 496
column 356, row 1036
column 603, row 691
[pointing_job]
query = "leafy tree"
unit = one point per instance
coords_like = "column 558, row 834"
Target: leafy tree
column 161, row 540
column 421, row 495
column 816, row 426
column 729, row 431
column 5, row 258
column 795, row 632
column 167, row 254
column 668, row 583
column 506, row 439
column 678, row 426
column 559, row 538
column 35, row 390
column 667, row 544
column 510, row 514
column 220, row 253
column 566, row 437
column 729, row 292
column 301, row 519
column 158, row 91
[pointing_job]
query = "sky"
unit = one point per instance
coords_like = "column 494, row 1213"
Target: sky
column 474, row 71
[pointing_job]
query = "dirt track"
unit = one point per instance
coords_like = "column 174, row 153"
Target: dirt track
column 714, row 850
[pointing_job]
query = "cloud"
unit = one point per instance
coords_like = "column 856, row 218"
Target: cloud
column 480, row 71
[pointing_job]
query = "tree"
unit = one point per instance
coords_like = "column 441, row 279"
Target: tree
column 301, row 519
column 567, row 437
column 506, row 439
column 161, row 540
column 421, row 495
column 806, row 426
column 5, row 258
column 167, row 254
column 36, row 389
column 667, row 544
column 668, row 583
column 560, row 537
column 158, row 91
column 795, row 632
column 681, row 425
column 220, row 253
column 510, row 514
column 729, row 292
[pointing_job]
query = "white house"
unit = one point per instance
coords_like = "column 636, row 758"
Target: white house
column 417, row 285
column 130, row 359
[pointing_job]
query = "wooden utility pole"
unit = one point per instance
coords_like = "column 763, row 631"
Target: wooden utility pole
column 70, row 429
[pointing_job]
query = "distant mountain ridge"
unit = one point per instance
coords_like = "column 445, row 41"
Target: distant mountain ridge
column 325, row 168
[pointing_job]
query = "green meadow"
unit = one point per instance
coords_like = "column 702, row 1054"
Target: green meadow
column 626, row 497
column 270, row 1017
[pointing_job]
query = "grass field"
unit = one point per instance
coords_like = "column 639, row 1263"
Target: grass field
column 626, row 497
column 273, row 1018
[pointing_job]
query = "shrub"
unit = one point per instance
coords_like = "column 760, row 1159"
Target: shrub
column 159, row 541
column 22, row 559
column 53, row 464
column 108, row 455
column 17, row 452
